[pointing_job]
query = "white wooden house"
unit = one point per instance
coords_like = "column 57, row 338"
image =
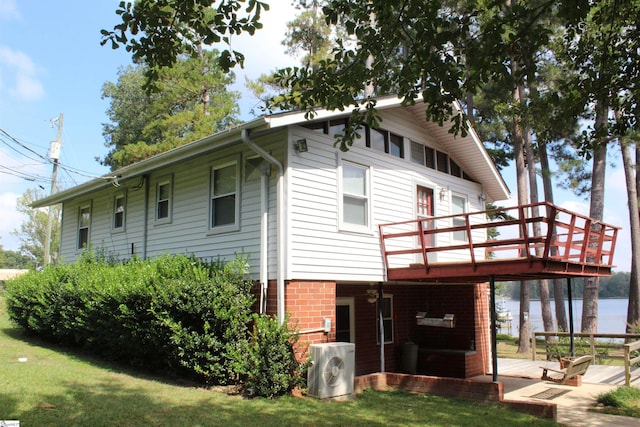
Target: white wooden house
column 306, row 214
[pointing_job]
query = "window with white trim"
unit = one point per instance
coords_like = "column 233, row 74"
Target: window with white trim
column 425, row 210
column 355, row 195
column 164, row 196
column 442, row 161
column 387, row 319
column 119, row 212
column 385, row 141
column 459, row 207
column 225, row 188
column 84, row 226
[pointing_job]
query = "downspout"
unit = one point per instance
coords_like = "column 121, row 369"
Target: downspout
column 145, row 231
column 264, row 239
column 281, row 224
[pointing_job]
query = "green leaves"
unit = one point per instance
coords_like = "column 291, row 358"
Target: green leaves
column 191, row 102
column 158, row 32
column 174, row 313
column 266, row 360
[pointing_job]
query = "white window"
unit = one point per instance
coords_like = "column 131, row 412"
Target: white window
column 385, row 141
column 459, row 207
column 225, row 188
column 164, row 196
column 417, row 153
column 378, row 140
column 355, row 202
column 387, row 319
column 119, row 210
column 84, row 226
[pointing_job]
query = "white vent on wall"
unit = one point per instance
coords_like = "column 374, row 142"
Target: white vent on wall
column 332, row 369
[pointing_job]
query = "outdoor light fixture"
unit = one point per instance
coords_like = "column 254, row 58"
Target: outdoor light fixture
column 372, row 295
column 482, row 198
column 301, row 146
column 443, row 193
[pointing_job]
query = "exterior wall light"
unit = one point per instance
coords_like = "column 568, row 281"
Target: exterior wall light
column 301, row 146
column 372, row 295
column 443, row 193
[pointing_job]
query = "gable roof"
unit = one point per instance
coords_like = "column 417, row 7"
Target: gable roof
column 467, row 150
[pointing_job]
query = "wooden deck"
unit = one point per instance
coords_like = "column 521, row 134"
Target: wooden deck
column 529, row 242
column 596, row 374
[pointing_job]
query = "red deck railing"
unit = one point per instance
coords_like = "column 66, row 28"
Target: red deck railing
column 541, row 233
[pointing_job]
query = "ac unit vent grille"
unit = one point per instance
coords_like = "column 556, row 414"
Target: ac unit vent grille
column 332, row 369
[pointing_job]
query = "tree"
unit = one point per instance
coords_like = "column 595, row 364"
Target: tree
column 308, row 34
column 158, row 32
column 633, row 309
column 14, row 259
column 309, row 37
column 192, row 102
column 601, row 57
column 32, row 232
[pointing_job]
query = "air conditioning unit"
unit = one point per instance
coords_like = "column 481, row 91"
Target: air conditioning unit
column 332, row 369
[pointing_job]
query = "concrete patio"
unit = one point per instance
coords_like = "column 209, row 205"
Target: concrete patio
column 521, row 379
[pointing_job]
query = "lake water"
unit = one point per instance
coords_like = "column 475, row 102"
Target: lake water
column 612, row 315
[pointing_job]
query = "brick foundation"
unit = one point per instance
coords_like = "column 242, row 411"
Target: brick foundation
column 486, row 392
column 448, row 387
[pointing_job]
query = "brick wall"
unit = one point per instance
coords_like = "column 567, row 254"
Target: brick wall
column 481, row 391
column 308, row 303
column 467, row 302
column 449, row 387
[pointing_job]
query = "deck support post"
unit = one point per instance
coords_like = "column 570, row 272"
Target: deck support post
column 571, row 340
column 494, row 339
column 381, row 323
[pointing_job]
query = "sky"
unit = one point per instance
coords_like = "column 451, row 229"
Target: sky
column 52, row 63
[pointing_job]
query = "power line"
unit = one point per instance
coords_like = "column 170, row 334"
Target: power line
column 25, row 176
column 15, row 140
column 40, row 159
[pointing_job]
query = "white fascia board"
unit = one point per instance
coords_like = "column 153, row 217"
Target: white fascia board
column 192, row 149
column 293, row 118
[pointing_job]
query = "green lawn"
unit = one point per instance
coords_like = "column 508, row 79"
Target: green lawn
column 56, row 387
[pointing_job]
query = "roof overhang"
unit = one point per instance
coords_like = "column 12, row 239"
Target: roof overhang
column 467, row 149
column 193, row 149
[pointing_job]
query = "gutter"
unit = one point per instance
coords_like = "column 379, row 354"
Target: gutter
column 244, row 135
column 193, row 149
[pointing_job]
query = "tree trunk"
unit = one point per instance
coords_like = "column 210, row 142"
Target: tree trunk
column 545, row 299
column 558, row 285
column 596, row 208
column 633, row 310
column 524, row 331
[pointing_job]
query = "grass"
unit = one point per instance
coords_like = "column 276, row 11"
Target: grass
column 58, row 387
column 621, row 401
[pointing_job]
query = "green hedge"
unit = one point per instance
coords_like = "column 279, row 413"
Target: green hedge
column 174, row 313
column 274, row 372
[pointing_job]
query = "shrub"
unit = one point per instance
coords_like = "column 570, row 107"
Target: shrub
column 622, row 401
column 266, row 361
column 173, row 313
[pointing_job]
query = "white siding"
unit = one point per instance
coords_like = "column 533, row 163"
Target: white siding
column 188, row 230
column 318, row 249
column 315, row 247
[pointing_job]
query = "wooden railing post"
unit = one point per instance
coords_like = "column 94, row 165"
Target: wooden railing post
column 533, row 346
column 627, row 365
column 592, row 341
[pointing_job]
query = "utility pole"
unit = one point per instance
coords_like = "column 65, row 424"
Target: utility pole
column 54, row 154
